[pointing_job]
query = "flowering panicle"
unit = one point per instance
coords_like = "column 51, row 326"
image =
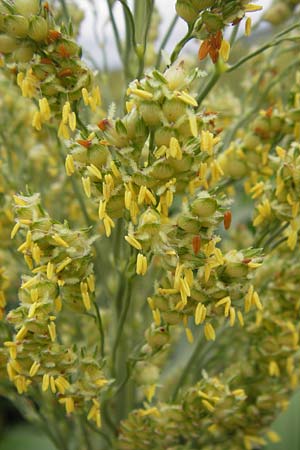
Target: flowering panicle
column 47, row 62
column 159, row 181
column 216, row 405
column 61, row 280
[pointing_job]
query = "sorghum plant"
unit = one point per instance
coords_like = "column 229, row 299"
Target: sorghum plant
column 149, row 262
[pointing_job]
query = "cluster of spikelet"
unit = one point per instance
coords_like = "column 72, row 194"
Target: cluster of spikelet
column 61, row 282
column 159, row 171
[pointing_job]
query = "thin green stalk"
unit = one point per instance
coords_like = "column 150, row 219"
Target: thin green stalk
column 276, row 244
column 115, row 29
column 188, row 366
column 138, row 12
column 105, row 436
column 55, row 435
column 148, row 23
column 85, row 434
column 234, row 34
column 275, row 41
column 101, row 330
column 128, row 43
column 275, row 235
column 260, row 238
column 208, row 87
column 195, row 355
column 165, row 40
column 121, row 325
column 108, row 419
column 8, row 152
column 181, row 44
column 118, row 235
column 65, row 9
column 75, row 189
column 228, row 138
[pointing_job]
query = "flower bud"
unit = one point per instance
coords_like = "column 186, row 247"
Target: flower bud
column 151, row 113
column 27, row 7
column 97, row 155
column 175, row 76
column 188, row 224
column 7, row 44
column 251, row 141
column 172, row 317
column 16, row 26
column 202, row 4
column 161, row 302
column 162, row 171
column 232, row 167
column 146, row 373
column 157, row 337
column 204, row 207
column 38, row 29
column 67, row 47
column 163, row 136
column 213, row 22
column 173, row 109
column 236, row 270
column 261, row 127
column 23, row 54
column 181, row 165
column 115, row 207
column 185, row 10
column 276, row 124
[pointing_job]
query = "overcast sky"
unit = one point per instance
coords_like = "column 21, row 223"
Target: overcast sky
column 87, row 34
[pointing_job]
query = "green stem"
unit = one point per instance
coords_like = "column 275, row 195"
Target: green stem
column 210, row 84
column 118, row 239
column 108, row 419
column 101, row 330
column 234, row 34
column 276, row 244
column 121, row 325
column 65, row 9
column 115, row 29
column 262, row 97
column 165, row 40
column 275, row 235
column 181, row 44
column 128, row 27
column 55, row 436
column 188, row 367
column 260, row 50
column 101, row 433
column 85, row 434
column 75, row 189
column 150, row 7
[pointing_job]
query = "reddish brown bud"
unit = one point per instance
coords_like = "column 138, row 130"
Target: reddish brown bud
column 204, row 49
column 196, row 243
column 216, row 40
column 46, row 61
column 84, row 143
column 65, row 73
column 103, row 124
column 63, row 52
column 53, row 35
column 227, row 219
